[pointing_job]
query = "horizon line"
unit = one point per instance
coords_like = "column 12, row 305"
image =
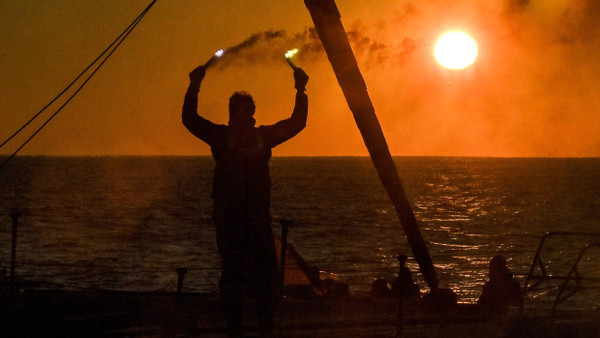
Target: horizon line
column 310, row 156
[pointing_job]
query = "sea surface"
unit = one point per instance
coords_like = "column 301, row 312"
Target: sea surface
column 126, row 223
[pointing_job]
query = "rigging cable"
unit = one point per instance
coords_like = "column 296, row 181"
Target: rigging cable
column 116, row 43
column 72, row 82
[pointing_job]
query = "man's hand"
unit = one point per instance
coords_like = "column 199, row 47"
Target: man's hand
column 300, row 78
column 197, row 75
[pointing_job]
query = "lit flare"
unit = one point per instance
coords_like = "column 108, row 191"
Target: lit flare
column 288, row 57
column 214, row 58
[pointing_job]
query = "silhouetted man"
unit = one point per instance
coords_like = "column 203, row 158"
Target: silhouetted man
column 501, row 291
column 242, row 195
column 403, row 286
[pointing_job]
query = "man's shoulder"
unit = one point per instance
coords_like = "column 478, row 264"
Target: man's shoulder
column 263, row 128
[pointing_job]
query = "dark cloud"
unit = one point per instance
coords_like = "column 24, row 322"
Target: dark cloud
column 583, row 21
column 563, row 23
column 307, row 41
column 364, row 46
column 516, row 6
column 254, row 39
column 407, row 12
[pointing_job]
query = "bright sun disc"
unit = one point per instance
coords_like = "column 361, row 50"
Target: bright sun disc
column 455, row 50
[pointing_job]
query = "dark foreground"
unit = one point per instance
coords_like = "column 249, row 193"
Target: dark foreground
column 122, row 314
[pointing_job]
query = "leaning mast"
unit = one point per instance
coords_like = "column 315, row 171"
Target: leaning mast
column 331, row 32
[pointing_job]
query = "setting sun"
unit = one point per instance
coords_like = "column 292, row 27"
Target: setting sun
column 455, row 50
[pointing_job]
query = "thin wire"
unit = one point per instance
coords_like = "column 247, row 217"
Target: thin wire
column 70, row 84
column 122, row 38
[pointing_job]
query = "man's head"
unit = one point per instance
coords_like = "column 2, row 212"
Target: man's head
column 402, row 259
column 498, row 267
column 241, row 107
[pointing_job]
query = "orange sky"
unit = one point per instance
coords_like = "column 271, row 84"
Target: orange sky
column 531, row 92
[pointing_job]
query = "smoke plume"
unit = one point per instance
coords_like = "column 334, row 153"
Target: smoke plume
column 270, row 46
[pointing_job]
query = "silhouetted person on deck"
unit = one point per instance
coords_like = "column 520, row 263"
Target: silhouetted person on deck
column 403, row 286
column 501, row 291
column 242, row 195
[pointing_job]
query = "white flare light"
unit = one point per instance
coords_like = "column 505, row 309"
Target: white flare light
column 291, row 53
column 214, row 58
column 288, row 57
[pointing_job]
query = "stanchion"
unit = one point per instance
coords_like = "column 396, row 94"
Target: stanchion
column 180, row 276
column 13, row 250
column 400, row 323
column 285, row 223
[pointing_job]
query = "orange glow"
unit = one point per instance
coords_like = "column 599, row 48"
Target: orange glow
column 532, row 90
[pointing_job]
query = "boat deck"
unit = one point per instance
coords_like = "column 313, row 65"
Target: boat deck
column 129, row 314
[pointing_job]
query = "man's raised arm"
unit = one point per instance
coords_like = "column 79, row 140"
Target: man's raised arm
column 197, row 125
column 288, row 128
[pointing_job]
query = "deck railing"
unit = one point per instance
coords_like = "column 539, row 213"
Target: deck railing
column 540, row 274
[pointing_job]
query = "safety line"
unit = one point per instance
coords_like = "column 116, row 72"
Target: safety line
column 120, row 40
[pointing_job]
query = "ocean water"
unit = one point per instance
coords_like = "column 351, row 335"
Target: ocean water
column 126, row 223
